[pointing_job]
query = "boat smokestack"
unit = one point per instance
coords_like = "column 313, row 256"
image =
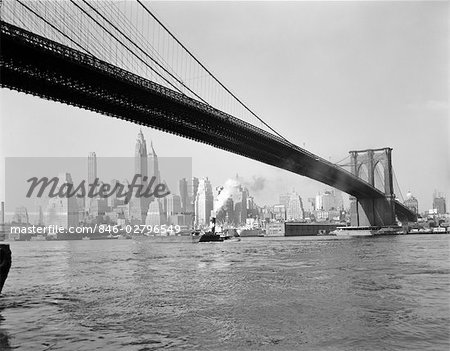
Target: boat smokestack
column 213, row 225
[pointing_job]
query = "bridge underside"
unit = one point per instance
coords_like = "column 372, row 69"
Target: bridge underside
column 38, row 66
column 372, row 212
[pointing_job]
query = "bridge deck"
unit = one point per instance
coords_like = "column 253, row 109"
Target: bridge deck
column 38, row 66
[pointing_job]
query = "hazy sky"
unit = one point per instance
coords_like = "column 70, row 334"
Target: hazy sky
column 329, row 76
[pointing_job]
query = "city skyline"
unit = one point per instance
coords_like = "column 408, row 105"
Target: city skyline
column 345, row 103
column 230, row 204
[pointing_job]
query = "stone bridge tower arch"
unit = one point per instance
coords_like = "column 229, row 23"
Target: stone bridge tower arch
column 373, row 212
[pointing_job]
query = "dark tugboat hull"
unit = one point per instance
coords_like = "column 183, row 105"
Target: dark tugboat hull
column 210, row 237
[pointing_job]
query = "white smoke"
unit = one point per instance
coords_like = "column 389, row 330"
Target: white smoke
column 255, row 185
column 229, row 188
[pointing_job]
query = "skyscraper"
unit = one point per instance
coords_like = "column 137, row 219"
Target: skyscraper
column 153, row 165
column 294, row 211
column 113, row 200
column 284, row 199
column 139, row 206
column 92, row 174
column 192, row 193
column 412, row 203
column 204, row 203
column 329, row 200
column 173, row 204
column 239, row 197
column 92, row 167
column 62, row 211
column 183, row 187
column 439, row 203
column 155, row 215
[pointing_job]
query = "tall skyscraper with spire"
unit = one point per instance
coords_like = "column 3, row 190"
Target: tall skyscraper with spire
column 139, row 206
column 153, row 165
column 140, row 155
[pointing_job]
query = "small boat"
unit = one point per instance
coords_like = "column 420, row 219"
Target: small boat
column 355, row 231
column 226, row 235
column 210, row 237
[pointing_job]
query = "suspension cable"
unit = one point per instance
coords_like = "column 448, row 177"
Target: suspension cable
column 398, row 186
column 140, row 49
column 217, row 80
column 51, row 25
column 125, row 46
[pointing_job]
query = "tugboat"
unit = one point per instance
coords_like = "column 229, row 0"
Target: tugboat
column 211, row 236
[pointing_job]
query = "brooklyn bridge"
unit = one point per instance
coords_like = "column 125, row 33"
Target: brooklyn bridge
column 125, row 63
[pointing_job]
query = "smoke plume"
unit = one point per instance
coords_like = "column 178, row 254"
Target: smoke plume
column 229, row 188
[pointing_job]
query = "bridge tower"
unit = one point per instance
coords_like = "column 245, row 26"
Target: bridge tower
column 373, row 211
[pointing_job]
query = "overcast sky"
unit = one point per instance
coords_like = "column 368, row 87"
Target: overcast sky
column 329, row 76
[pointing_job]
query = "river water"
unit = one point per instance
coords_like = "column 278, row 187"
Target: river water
column 384, row 293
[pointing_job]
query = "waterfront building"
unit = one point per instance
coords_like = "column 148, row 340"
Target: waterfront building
column 134, row 211
column 62, row 211
column 123, row 212
column 321, row 215
column 98, row 207
column 329, row 200
column 239, row 197
column 173, row 204
column 192, row 189
column 155, row 214
column 184, row 195
column 275, row 229
column 439, row 203
column 111, row 217
column 279, row 212
column 204, row 203
column 312, row 204
column 252, row 208
column 412, row 203
column 113, row 200
column 294, row 211
column 267, row 214
column 183, row 220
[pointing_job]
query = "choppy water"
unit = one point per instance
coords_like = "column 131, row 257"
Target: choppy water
column 386, row 293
